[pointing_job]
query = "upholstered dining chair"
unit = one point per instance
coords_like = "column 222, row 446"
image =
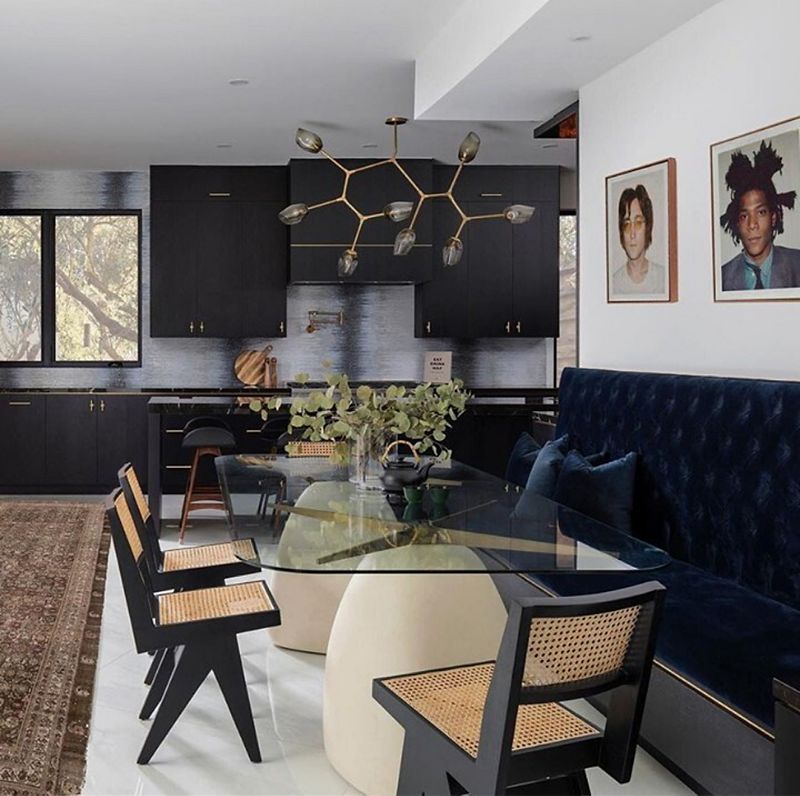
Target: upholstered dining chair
column 498, row 726
column 199, row 625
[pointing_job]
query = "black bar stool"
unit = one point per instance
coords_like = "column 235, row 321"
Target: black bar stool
column 206, row 436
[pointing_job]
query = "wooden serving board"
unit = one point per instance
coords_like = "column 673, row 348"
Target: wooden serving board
column 250, row 367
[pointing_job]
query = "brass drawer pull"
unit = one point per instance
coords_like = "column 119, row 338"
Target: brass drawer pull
column 487, row 193
column 19, row 403
column 178, row 467
column 174, row 431
column 219, row 193
column 252, row 431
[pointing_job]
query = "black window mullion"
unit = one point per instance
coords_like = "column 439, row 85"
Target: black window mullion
column 48, row 288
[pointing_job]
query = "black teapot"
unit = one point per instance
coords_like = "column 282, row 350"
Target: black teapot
column 399, row 473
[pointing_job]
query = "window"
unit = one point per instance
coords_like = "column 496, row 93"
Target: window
column 20, row 288
column 70, row 288
column 567, row 347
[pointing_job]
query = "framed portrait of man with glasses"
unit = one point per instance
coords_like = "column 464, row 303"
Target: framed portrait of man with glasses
column 755, row 178
column 641, row 234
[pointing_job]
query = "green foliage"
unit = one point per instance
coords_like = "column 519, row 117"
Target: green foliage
column 422, row 414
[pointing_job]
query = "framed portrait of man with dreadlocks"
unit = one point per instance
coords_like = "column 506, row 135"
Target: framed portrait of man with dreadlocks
column 641, row 236
column 754, row 179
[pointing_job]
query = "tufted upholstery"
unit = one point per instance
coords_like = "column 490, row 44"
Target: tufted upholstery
column 718, row 478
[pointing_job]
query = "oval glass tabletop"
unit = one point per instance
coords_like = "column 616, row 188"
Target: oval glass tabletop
column 307, row 517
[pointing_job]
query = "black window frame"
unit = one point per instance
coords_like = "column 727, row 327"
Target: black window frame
column 48, row 288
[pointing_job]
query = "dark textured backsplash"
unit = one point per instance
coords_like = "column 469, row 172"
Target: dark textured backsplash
column 376, row 341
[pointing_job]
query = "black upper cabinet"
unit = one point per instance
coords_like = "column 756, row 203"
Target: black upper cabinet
column 326, row 232
column 218, row 253
column 506, row 284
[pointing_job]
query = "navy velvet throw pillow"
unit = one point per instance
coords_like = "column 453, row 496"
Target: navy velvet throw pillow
column 523, row 455
column 544, row 473
column 604, row 491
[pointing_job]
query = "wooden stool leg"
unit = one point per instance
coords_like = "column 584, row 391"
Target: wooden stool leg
column 187, row 497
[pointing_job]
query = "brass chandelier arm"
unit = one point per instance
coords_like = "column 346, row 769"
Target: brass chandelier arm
column 333, row 160
column 361, row 219
column 455, row 178
column 410, row 179
column 370, row 166
column 486, row 216
column 326, row 203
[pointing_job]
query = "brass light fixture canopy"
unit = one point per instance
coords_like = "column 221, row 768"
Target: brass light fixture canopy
column 399, row 211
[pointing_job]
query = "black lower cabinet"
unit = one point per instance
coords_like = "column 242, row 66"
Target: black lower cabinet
column 71, row 440
column 22, row 427
column 121, row 437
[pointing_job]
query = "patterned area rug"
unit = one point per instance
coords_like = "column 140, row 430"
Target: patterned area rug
column 52, row 578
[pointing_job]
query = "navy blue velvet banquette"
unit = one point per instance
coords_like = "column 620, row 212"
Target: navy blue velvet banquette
column 718, row 487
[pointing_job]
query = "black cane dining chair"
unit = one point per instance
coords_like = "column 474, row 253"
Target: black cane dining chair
column 204, row 436
column 496, row 727
column 198, row 626
column 185, row 567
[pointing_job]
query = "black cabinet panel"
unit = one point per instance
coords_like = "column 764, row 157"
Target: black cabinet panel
column 22, row 420
column 318, row 241
column 237, row 183
column 506, row 284
column 218, row 266
column 121, row 437
column 173, row 269
column 71, row 440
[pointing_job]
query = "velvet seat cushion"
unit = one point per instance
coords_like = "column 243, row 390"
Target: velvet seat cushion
column 728, row 640
column 521, row 460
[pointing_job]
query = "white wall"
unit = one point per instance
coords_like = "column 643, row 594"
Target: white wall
column 730, row 70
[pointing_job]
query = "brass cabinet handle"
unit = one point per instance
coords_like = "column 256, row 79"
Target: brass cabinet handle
column 102, row 405
column 508, row 327
column 519, row 327
column 174, row 431
column 428, row 327
column 252, row 431
column 191, row 327
column 202, row 328
column 178, row 467
column 219, row 193
column 19, row 403
column 282, row 327
column 91, row 405
column 488, row 193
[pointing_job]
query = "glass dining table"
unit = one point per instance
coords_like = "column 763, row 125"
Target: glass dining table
column 384, row 586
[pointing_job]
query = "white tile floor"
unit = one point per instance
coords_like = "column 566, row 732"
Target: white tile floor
column 203, row 754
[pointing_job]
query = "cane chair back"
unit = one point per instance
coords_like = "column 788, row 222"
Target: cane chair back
column 140, row 511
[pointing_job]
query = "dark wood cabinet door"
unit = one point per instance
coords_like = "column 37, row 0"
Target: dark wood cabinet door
column 535, row 274
column 71, row 440
column 263, row 254
column 489, row 251
column 22, row 420
column 121, row 436
column 173, row 269
column 219, row 269
column 440, row 304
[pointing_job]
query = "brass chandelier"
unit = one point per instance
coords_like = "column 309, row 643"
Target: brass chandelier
column 398, row 211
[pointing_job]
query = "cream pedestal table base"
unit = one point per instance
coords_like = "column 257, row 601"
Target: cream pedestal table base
column 394, row 624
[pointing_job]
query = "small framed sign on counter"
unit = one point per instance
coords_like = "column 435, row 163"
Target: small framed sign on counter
column 438, row 366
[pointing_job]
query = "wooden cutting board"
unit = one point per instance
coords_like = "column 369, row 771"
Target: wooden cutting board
column 250, row 367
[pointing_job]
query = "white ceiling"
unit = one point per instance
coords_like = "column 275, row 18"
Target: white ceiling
column 120, row 84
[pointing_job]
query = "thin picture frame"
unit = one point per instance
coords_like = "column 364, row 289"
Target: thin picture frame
column 651, row 191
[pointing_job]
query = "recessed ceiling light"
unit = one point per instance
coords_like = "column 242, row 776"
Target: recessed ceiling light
column 579, row 39
column 238, row 81
column 549, row 146
column 369, row 146
column 224, row 146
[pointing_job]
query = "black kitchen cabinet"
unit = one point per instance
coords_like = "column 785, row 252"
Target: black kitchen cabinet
column 506, row 284
column 218, row 259
column 87, row 437
column 317, row 242
column 22, row 423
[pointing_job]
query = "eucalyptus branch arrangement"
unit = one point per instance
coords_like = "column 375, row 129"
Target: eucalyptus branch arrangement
column 421, row 414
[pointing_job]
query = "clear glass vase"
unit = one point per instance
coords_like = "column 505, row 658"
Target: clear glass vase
column 365, row 451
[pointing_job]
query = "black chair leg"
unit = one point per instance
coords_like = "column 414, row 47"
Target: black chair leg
column 581, row 784
column 154, row 664
column 227, row 666
column 420, row 772
column 192, row 668
column 160, row 683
